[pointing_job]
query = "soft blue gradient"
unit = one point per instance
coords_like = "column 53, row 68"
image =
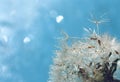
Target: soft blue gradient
column 36, row 19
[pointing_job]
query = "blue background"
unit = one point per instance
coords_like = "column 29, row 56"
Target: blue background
column 36, row 19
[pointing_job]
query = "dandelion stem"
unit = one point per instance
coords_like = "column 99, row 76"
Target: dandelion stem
column 97, row 26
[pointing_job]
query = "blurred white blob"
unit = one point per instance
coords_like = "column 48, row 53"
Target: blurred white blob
column 5, row 33
column 5, row 38
column 4, row 69
column 59, row 18
column 26, row 40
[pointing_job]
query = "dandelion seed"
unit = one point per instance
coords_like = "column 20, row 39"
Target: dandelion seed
column 93, row 38
column 99, row 42
column 116, row 52
column 97, row 22
column 91, row 46
column 90, row 64
column 110, row 54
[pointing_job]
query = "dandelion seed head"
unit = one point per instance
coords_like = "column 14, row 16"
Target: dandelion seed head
column 79, row 55
column 85, row 58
